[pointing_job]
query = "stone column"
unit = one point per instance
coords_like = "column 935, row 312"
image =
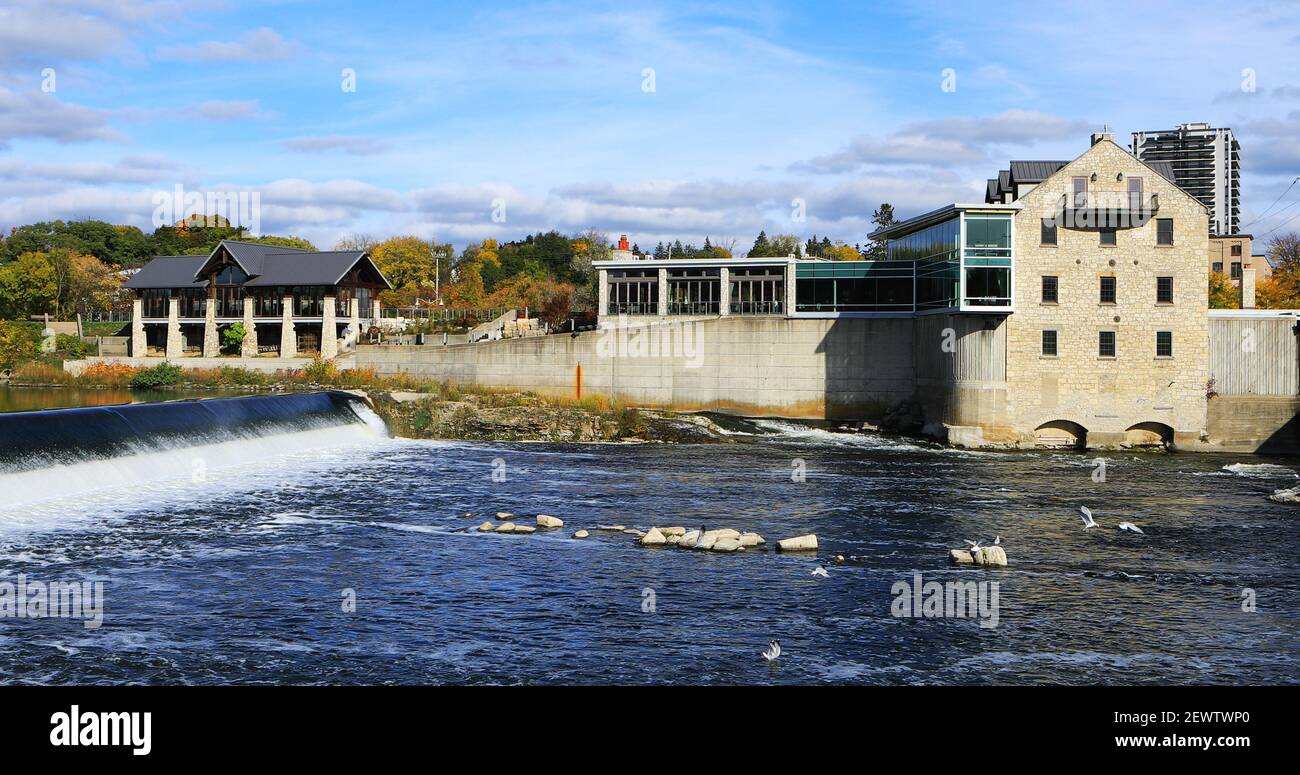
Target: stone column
column 288, row 337
column 724, row 291
column 1248, row 288
column 329, row 331
column 354, row 315
column 789, row 289
column 249, row 348
column 374, row 310
column 211, row 342
column 663, row 291
column 139, row 345
column 602, row 293
column 175, row 343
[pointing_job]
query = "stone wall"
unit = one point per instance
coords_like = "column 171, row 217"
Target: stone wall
column 1109, row 396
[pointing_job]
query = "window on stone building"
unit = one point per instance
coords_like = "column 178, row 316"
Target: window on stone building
column 1049, row 343
column 1107, row 236
column 1164, row 290
column 1217, row 266
column 1107, row 290
column 1048, row 231
column 1164, row 344
column 1236, row 250
column 1106, row 344
column 1236, row 270
column 1080, row 192
column 1049, row 289
column 1164, row 231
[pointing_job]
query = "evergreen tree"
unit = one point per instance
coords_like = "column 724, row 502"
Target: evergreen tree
column 883, row 217
column 762, row 248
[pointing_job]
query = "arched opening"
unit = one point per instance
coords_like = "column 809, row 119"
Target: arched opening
column 1061, row 434
column 1149, row 434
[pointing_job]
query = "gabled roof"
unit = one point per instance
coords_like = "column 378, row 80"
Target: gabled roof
column 991, row 191
column 303, row 268
column 1034, row 171
column 251, row 255
column 168, row 272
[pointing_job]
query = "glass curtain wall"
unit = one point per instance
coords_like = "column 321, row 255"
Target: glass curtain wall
column 854, row 286
column 694, row 291
column 938, row 264
column 757, row 290
column 986, row 260
column 633, row 292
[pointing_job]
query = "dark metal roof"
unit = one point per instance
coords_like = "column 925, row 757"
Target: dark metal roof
column 302, row 268
column 991, row 193
column 1034, row 171
column 251, row 255
column 1166, row 170
column 169, row 272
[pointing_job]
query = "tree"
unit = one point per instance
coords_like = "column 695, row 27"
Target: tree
column 28, row 286
column 407, row 262
column 1222, row 293
column 784, row 244
column 883, row 217
column 18, row 343
column 762, row 248
column 91, row 287
column 232, row 338
column 356, row 242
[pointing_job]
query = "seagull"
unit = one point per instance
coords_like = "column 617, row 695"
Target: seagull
column 974, row 546
column 1088, row 521
column 773, row 651
column 699, row 536
column 997, row 540
column 820, row 571
column 1131, row 527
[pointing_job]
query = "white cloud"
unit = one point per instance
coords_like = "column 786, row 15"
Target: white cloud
column 351, row 145
column 38, row 115
column 259, row 45
column 224, row 110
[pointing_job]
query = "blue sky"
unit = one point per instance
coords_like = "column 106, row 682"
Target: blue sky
column 547, row 106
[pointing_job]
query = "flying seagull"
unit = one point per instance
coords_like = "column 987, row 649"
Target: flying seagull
column 1088, row 521
column 1131, row 527
column 974, row 546
column 820, row 571
column 773, row 651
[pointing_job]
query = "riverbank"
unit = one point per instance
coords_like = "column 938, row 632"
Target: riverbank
column 412, row 407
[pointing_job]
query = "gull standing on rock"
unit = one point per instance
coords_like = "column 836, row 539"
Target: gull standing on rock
column 1088, row 521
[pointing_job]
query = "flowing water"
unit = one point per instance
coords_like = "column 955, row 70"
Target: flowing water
column 242, row 568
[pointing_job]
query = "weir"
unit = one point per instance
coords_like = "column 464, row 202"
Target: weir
column 35, row 440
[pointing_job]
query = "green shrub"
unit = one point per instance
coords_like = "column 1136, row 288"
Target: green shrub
column 232, row 338
column 157, row 376
column 72, row 347
column 18, row 343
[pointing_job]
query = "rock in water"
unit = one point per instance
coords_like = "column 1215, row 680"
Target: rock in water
column 673, row 531
column 806, row 543
column 725, row 545
column 634, row 532
column 486, row 527
column 724, row 532
column 504, row 515
column 751, row 539
column 688, row 539
column 506, row 527
column 960, row 557
column 653, row 538
column 524, row 529
column 993, row 556
column 1291, row 495
column 545, row 521
column 581, row 534
column 615, row 528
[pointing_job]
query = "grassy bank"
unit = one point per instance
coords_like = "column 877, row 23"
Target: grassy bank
column 438, row 410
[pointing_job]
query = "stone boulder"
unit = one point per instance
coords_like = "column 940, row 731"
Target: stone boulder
column 524, row 529
column 990, row 556
column 506, row 527
column 960, row 557
column 724, row 532
column 581, row 534
column 807, row 543
column 673, row 531
column 486, row 527
column 751, row 539
column 725, row 545
column 653, row 538
column 504, row 515
column 545, row 521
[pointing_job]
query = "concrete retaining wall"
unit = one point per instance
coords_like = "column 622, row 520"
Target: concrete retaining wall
column 1265, row 424
column 852, row 369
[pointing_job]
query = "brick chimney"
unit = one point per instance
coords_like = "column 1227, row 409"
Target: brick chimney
column 623, row 243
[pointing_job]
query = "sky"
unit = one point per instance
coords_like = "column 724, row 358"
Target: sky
column 463, row 121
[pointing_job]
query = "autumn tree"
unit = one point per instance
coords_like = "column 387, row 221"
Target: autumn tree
column 1223, row 295
column 408, row 262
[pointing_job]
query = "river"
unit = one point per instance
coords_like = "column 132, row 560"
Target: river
column 332, row 555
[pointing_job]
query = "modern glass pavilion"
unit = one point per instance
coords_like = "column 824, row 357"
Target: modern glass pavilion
column 956, row 259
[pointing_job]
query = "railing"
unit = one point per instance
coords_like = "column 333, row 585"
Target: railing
column 633, row 308
column 692, row 308
column 757, row 307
